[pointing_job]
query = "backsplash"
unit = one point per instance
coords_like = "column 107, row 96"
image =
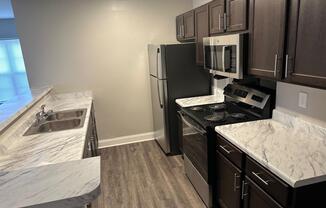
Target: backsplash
column 218, row 85
column 287, row 97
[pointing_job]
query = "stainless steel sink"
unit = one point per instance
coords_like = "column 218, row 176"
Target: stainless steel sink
column 59, row 121
column 66, row 114
column 59, row 125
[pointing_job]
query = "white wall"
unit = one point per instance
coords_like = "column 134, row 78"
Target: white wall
column 197, row 3
column 99, row 45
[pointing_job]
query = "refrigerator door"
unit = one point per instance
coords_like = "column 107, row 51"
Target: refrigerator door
column 156, row 68
column 158, row 106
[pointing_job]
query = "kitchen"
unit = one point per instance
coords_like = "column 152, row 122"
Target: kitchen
column 188, row 103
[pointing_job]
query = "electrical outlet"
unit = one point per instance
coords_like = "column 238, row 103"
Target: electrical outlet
column 303, row 98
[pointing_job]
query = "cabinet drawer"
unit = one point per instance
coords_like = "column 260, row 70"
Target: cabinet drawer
column 267, row 181
column 230, row 151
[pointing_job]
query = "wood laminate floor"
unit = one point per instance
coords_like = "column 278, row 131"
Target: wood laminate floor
column 140, row 176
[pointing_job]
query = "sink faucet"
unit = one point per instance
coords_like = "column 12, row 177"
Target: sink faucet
column 42, row 115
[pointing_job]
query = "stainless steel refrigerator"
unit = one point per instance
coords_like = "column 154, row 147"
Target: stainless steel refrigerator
column 173, row 74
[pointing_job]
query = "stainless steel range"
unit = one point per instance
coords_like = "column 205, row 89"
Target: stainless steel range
column 241, row 104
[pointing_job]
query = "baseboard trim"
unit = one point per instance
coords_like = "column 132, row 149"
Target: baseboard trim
column 126, row 140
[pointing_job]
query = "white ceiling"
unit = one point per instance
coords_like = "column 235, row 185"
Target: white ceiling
column 6, row 9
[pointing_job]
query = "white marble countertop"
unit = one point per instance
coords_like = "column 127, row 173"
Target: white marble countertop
column 288, row 146
column 66, row 185
column 201, row 100
column 20, row 153
column 11, row 109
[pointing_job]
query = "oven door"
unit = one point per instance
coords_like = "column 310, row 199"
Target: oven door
column 195, row 145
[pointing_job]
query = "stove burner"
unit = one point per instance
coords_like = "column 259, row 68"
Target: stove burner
column 217, row 106
column 238, row 115
column 215, row 117
column 197, row 108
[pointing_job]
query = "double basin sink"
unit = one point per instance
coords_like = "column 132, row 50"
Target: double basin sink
column 59, row 121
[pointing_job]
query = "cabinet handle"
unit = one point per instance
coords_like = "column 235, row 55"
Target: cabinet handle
column 219, row 22
column 286, row 65
column 235, row 187
column 259, row 178
column 243, row 194
column 224, row 148
column 89, row 146
column 275, row 64
column 225, row 22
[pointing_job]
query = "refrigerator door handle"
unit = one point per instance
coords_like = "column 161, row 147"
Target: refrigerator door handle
column 159, row 93
column 157, row 80
column 157, row 54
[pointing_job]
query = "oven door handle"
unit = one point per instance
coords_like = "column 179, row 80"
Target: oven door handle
column 188, row 123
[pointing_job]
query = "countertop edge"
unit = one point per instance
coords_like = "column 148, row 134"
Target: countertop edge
column 30, row 183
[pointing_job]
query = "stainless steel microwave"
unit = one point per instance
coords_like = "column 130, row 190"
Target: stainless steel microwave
column 223, row 55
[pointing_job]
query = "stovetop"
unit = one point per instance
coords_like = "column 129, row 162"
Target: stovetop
column 219, row 114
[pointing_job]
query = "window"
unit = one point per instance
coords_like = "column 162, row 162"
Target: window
column 13, row 78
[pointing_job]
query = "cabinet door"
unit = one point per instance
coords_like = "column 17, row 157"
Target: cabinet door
column 266, row 37
column 189, row 25
column 202, row 30
column 228, row 183
column 216, row 17
column 236, row 13
column 255, row 197
column 307, row 45
column 179, row 27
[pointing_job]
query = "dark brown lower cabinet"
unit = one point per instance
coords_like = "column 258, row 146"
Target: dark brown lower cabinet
column 255, row 197
column 228, row 184
column 91, row 143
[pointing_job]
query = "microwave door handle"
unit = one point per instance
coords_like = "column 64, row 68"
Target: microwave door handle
column 212, row 58
column 202, row 132
column 223, row 58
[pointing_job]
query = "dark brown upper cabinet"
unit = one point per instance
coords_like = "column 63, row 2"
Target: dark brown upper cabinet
column 236, row 15
column 306, row 43
column 266, row 37
column 179, row 28
column 189, row 25
column 185, row 26
column 216, row 17
column 201, row 31
column 227, row 16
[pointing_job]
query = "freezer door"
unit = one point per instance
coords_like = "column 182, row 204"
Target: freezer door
column 158, row 106
column 156, row 68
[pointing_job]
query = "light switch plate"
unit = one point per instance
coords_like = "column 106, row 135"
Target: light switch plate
column 303, row 98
